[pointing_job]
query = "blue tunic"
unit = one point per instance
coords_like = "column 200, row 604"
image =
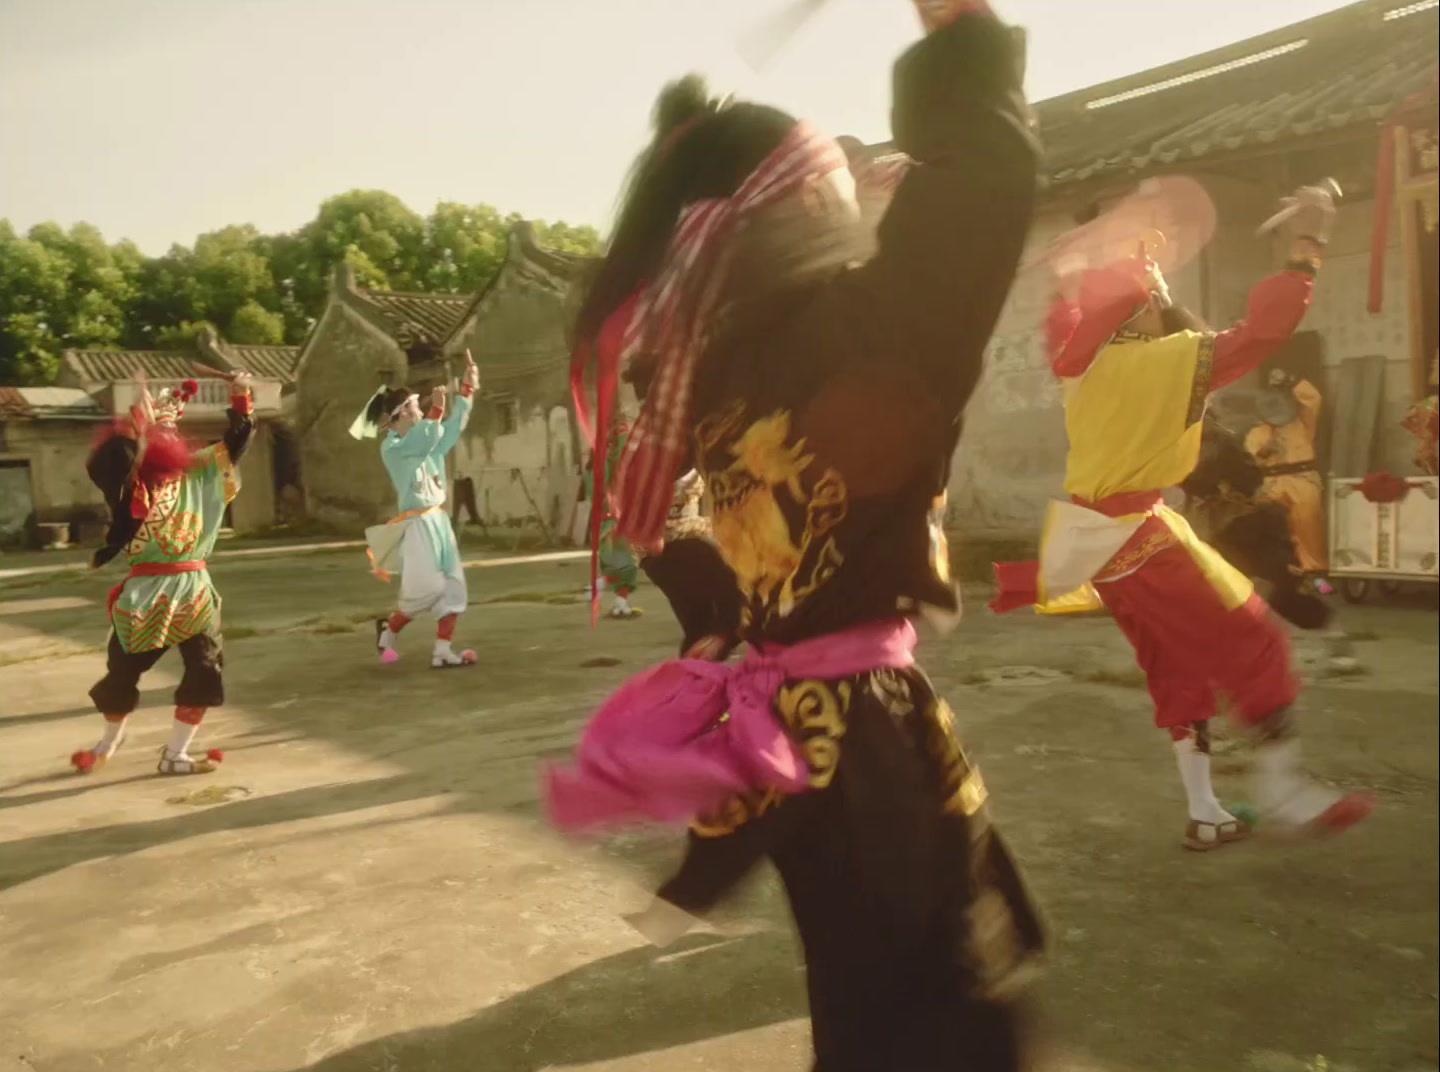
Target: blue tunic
column 416, row 464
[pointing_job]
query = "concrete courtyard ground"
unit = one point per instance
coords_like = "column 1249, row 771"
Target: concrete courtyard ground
column 368, row 884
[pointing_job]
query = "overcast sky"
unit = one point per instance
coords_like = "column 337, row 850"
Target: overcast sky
column 161, row 119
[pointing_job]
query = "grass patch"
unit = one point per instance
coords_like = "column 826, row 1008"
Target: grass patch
column 333, row 628
column 564, row 598
column 1132, row 678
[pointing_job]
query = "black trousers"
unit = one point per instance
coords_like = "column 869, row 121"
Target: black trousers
column 118, row 692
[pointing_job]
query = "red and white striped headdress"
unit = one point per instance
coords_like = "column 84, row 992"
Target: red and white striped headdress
column 671, row 320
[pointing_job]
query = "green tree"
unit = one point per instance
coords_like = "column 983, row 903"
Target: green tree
column 67, row 288
column 372, row 229
column 566, row 238
column 231, row 270
column 165, row 297
column 255, row 325
column 464, row 247
column 34, row 283
column 60, row 289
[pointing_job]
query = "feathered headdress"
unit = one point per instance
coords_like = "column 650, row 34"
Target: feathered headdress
column 170, row 405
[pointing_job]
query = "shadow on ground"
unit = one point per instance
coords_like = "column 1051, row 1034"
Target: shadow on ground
column 634, row 1002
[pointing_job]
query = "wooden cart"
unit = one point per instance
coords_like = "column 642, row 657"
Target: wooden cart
column 1384, row 545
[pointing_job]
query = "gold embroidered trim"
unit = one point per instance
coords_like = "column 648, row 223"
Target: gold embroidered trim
column 1132, row 556
column 1200, row 386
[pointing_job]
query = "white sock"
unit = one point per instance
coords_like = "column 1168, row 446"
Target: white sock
column 622, row 604
column 109, row 739
column 1282, row 791
column 443, row 650
column 1195, row 776
column 181, row 734
column 387, row 639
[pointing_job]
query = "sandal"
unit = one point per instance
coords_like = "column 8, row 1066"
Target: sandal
column 87, row 762
column 1203, row 837
column 453, row 661
column 187, row 764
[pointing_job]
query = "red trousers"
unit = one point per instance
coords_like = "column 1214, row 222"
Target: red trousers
column 1189, row 644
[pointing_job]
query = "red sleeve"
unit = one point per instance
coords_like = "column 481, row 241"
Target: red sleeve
column 1277, row 305
column 436, row 413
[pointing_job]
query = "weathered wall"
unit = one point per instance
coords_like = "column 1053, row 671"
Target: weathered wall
column 1349, row 330
column 254, row 507
column 59, row 485
column 518, row 339
column 345, row 361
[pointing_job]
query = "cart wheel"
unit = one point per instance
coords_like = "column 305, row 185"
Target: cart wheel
column 1355, row 589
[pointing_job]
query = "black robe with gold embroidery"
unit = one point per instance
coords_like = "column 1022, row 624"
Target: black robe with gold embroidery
column 828, row 407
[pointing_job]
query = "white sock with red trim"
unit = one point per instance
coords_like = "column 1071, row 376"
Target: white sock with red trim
column 1199, row 791
column 109, row 739
column 1283, row 793
column 182, row 730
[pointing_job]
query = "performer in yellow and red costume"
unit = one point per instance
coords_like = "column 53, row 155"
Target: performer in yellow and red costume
column 1137, row 372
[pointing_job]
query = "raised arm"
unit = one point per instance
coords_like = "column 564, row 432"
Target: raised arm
column 1278, row 304
column 952, row 237
column 241, row 418
column 459, row 417
column 1307, row 397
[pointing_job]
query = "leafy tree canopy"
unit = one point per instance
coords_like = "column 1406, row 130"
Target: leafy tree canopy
column 68, row 289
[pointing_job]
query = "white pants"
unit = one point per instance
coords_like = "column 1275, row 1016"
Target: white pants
column 423, row 588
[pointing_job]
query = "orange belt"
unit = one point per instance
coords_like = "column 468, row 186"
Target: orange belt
column 384, row 575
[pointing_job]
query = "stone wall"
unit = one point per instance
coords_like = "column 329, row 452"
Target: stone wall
column 520, row 448
column 60, row 488
column 345, row 360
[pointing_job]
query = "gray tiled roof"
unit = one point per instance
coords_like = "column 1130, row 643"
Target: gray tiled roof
column 412, row 318
column 266, row 362
column 107, row 366
column 54, row 402
column 1348, row 68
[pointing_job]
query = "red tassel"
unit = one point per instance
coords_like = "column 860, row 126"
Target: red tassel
column 1380, row 230
column 214, row 755
column 189, row 389
column 84, row 762
column 607, row 352
column 167, row 455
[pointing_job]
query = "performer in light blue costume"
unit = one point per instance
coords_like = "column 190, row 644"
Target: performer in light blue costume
column 419, row 541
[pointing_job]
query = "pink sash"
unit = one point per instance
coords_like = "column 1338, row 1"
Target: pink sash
column 662, row 749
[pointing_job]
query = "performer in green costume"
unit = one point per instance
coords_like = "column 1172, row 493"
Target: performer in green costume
column 167, row 506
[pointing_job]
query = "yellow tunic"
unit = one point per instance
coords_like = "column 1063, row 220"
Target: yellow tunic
column 1133, row 419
